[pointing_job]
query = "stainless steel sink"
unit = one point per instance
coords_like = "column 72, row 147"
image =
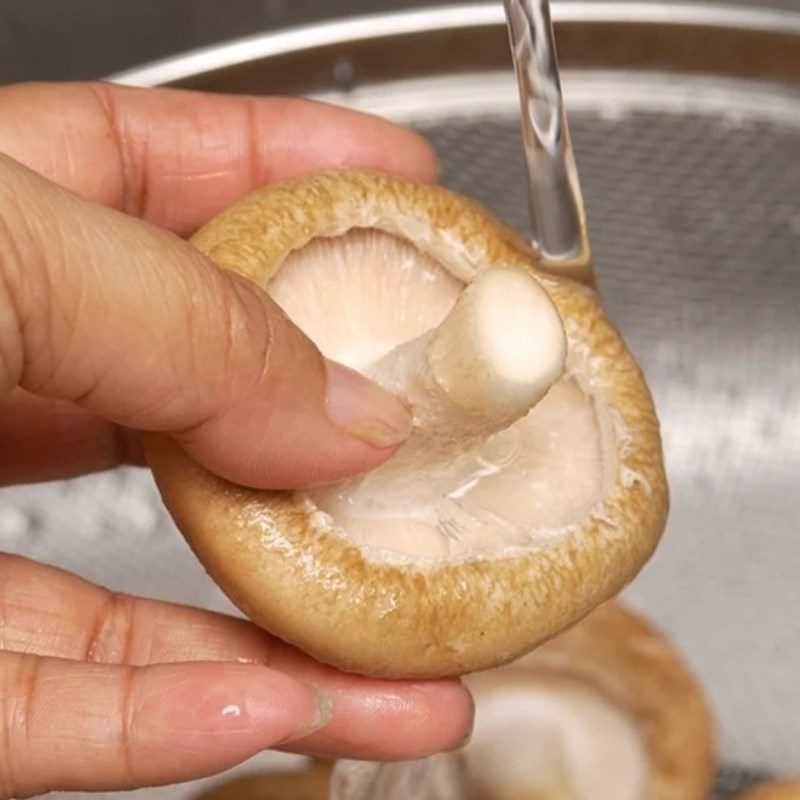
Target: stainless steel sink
column 686, row 121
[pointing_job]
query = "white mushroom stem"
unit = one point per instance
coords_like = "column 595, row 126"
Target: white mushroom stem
column 486, row 366
column 493, row 358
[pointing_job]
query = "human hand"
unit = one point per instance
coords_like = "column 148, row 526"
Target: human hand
column 110, row 323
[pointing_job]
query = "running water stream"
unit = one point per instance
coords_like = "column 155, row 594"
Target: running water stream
column 558, row 225
column 558, row 220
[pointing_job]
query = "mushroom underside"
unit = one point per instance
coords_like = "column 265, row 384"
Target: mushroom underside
column 531, row 488
column 607, row 709
column 540, row 735
column 366, row 294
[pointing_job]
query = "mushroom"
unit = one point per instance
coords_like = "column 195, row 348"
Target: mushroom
column 311, row 783
column 605, row 711
column 784, row 790
column 531, row 488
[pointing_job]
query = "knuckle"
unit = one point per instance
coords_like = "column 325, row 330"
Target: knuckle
column 18, row 692
column 31, row 252
column 134, row 189
column 241, row 344
column 266, row 325
column 125, row 744
column 257, row 167
column 111, row 636
column 12, row 274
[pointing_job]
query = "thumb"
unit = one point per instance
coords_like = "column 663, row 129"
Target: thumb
column 136, row 326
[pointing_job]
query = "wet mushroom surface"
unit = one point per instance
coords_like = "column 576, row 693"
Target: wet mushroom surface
column 531, row 488
column 781, row 790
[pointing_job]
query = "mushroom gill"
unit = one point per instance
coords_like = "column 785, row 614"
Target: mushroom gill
column 514, row 449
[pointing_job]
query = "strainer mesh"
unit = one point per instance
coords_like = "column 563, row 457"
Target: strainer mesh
column 695, row 227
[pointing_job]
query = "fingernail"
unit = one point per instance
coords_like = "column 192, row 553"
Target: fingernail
column 323, row 713
column 468, row 736
column 364, row 410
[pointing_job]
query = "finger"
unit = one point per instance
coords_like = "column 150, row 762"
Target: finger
column 379, row 720
column 51, row 439
column 66, row 725
column 134, row 325
column 176, row 158
column 47, row 612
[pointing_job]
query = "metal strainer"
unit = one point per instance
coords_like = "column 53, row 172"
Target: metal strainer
column 686, row 123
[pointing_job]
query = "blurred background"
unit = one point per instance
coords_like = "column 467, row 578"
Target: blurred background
column 689, row 153
column 52, row 40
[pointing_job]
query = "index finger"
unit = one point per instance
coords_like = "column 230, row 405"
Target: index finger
column 176, row 158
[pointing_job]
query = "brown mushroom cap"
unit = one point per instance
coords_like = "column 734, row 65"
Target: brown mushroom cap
column 309, row 784
column 784, row 790
column 632, row 668
column 292, row 570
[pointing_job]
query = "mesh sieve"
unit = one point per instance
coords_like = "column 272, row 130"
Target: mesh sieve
column 691, row 174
